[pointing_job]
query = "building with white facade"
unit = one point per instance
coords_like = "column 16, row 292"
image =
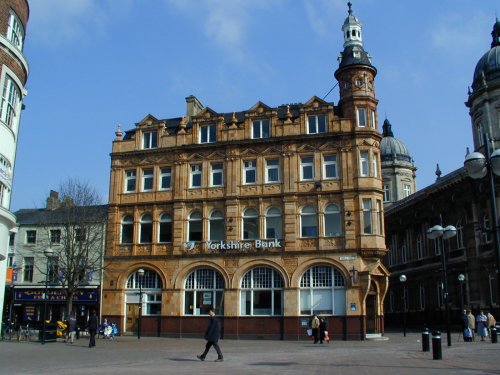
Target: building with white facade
column 13, row 75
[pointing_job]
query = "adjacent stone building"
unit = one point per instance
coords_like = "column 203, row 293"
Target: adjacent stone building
column 457, row 200
column 269, row 215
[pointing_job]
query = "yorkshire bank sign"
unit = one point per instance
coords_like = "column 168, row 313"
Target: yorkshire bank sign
column 237, row 245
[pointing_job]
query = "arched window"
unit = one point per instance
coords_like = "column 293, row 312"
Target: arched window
column 150, row 284
column 322, row 291
column 421, row 295
column 195, row 227
column 204, row 291
column 216, row 226
column 262, row 292
column 146, row 233
column 460, row 235
column 250, row 224
column 127, row 230
column 165, row 228
column 274, row 223
column 308, row 222
column 420, row 247
column 333, row 225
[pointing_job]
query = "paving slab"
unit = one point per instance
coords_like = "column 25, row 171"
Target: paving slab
column 152, row 355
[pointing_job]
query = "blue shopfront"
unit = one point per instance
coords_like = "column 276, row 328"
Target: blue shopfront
column 28, row 304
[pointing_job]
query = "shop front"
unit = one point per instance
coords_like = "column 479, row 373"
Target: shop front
column 28, row 304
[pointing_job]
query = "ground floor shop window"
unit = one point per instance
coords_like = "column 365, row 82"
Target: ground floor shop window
column 322, row 291
column 262, row 292
column 204, row 291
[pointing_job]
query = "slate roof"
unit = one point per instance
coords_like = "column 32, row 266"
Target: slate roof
column 59, row 216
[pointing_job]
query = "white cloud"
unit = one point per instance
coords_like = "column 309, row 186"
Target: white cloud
column 322, row 14
column 60, row 21
column 459, row 34
column 225, row 22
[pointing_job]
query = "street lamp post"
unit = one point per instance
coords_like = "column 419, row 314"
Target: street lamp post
column 461, row 279
column 48, row 254
column 479, row 166
column 140, row 274
column 402, row 279
column 434, row 233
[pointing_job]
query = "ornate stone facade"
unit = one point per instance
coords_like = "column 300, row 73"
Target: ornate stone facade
column 268, row 215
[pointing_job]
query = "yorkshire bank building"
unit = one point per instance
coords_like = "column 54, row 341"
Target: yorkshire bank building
column 268, row 215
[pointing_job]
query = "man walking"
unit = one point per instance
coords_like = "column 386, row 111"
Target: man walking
column 71, row 328
column 93, row 324
column 212, row 335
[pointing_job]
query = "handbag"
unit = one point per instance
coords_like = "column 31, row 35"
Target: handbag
column 309, row 332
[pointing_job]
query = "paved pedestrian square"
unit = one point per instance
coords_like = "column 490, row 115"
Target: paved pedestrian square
column 128, row 355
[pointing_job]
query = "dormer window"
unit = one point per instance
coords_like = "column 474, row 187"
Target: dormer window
column 260, row 129
column 149, row 140
column 316, row 124
column 208, row 134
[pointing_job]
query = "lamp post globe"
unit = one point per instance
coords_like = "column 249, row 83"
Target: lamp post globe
column 402, row 280
column 461, row 279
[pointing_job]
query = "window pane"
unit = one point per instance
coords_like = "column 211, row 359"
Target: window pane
column 165, row 232
column 322, row 301
column 195, row 230
column 262, row 302
column 322, row 124
column 274, row 227
column 166, row 175
column 250, row 229
column 305, row 302
column 216, row 230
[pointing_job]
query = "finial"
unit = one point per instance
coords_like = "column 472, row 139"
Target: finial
column 349, row 4
column 468, row 90
column 119, row 132
column 182, row 126
column 438, row 172
column 234, row 120
column 467, row 151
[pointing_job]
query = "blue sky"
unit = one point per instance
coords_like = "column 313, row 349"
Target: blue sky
column 95, row 64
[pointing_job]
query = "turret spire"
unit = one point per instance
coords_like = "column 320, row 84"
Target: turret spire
column 352, row 29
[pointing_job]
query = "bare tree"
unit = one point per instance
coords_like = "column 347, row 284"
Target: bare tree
column 75, row 226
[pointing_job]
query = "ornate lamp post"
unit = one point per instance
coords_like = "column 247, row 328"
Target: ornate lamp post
column 402, row 280
column 140, row 274
column 48, row 254
column 434, row 233
column 479, row 166
column 461, row 279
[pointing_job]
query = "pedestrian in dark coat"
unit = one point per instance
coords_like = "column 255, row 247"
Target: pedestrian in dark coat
column 323, row 330
column 71, row 328
column 93, row 325
column 212, row 335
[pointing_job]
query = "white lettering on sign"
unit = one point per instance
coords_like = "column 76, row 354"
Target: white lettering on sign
column 238, row 245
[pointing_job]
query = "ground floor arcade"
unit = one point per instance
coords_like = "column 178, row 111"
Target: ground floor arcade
column 255, row 295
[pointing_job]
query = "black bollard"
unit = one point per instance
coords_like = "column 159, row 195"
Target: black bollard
column 493, row 331
column 425, row 340
column 437, row 352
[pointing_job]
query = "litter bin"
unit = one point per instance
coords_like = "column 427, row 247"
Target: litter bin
column 50, row 333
